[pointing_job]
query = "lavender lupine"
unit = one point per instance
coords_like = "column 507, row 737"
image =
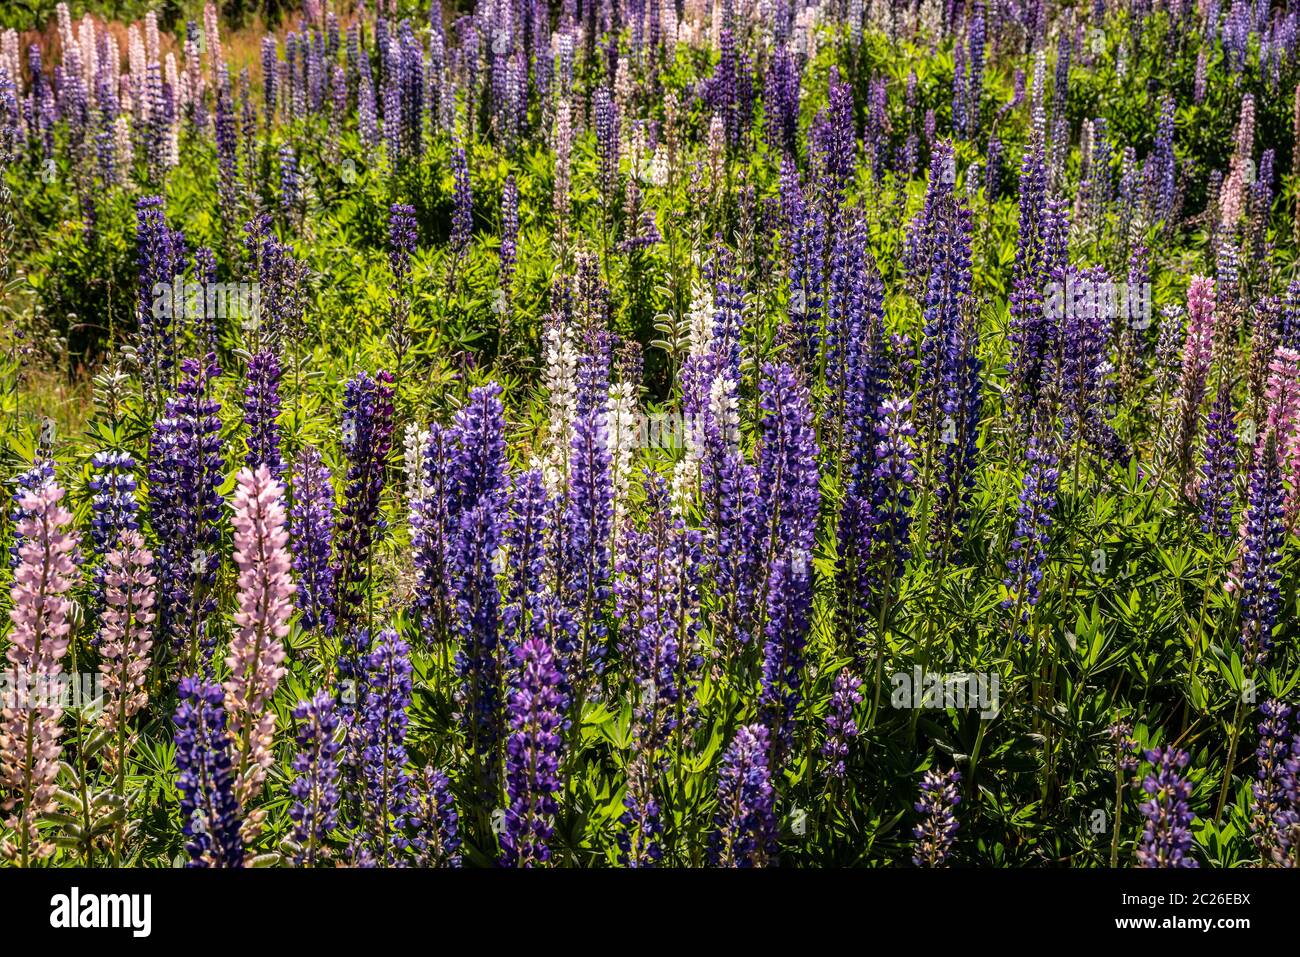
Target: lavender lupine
column 311, row 536
column 314, row 789
column 367, row 437
column 207, row 777
column 262, row 412
column 533, row 753
column 937, row 831
column 1167, row 837
column 745, row 828
column 841, row 727
column 30, row 713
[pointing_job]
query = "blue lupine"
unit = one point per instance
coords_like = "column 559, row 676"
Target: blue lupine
column 206, row 781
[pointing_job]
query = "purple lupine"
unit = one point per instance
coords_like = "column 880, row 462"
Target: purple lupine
column 160, row 258
column 745, row 824
column 462, row 216
column 389, row 802
column 789, row 502
column 1164, row 165
column 1032, row 534
column 841, row 728
column 533, row 753
column 437, row 825
column 114, row 510
column 1275, row 799
column 479, row 489
column 431, row 509
column 207, row 779
column 261, row 412
column 1263, row 540
column 658, row 602
column 402, row 238
column 367, row 436
column 528, row 527
column 585, row 561
column 937, row 831
column 1167, row 837
column 1217, row 492
column 311, row 534
column 509, row 235
column 314, row 789
column 605, row 118
column 185, row 472
column 290, row 182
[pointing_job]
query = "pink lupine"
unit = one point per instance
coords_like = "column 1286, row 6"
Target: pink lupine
column 1197, row 351
column 1283, row 397
column 41, row 616
column 125, row 640
column 261, row 623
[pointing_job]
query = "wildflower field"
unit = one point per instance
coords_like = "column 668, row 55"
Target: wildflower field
column 631, row 433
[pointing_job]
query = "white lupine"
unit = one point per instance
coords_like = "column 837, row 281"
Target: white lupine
column 659, row 167
column 700, row 319
column 560, row 376
column 624, row 435
column 122, row 143
column 413, row 445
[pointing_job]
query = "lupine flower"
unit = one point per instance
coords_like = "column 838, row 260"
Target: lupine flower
column 125, row 639
column 1126, row 747
column 261, row 411
column 462, row 218
column 314, row 790
column 790, row 499
column 1167, row 838
column 937, row 831
column 533, row 753
column 437, row 838
column 841, row 728
column 1217, row 492
column 206, row 781
column 745, row 824
column 185, row 472
column 1201, row 330
column 38, row 641
column 401, row 239
column 1032, row 533
column 114, row 512
column 256, row 659
column 1275, row 804
column 1263, row 538
column 389, row 803
column 367, row 436
column 311, row 534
